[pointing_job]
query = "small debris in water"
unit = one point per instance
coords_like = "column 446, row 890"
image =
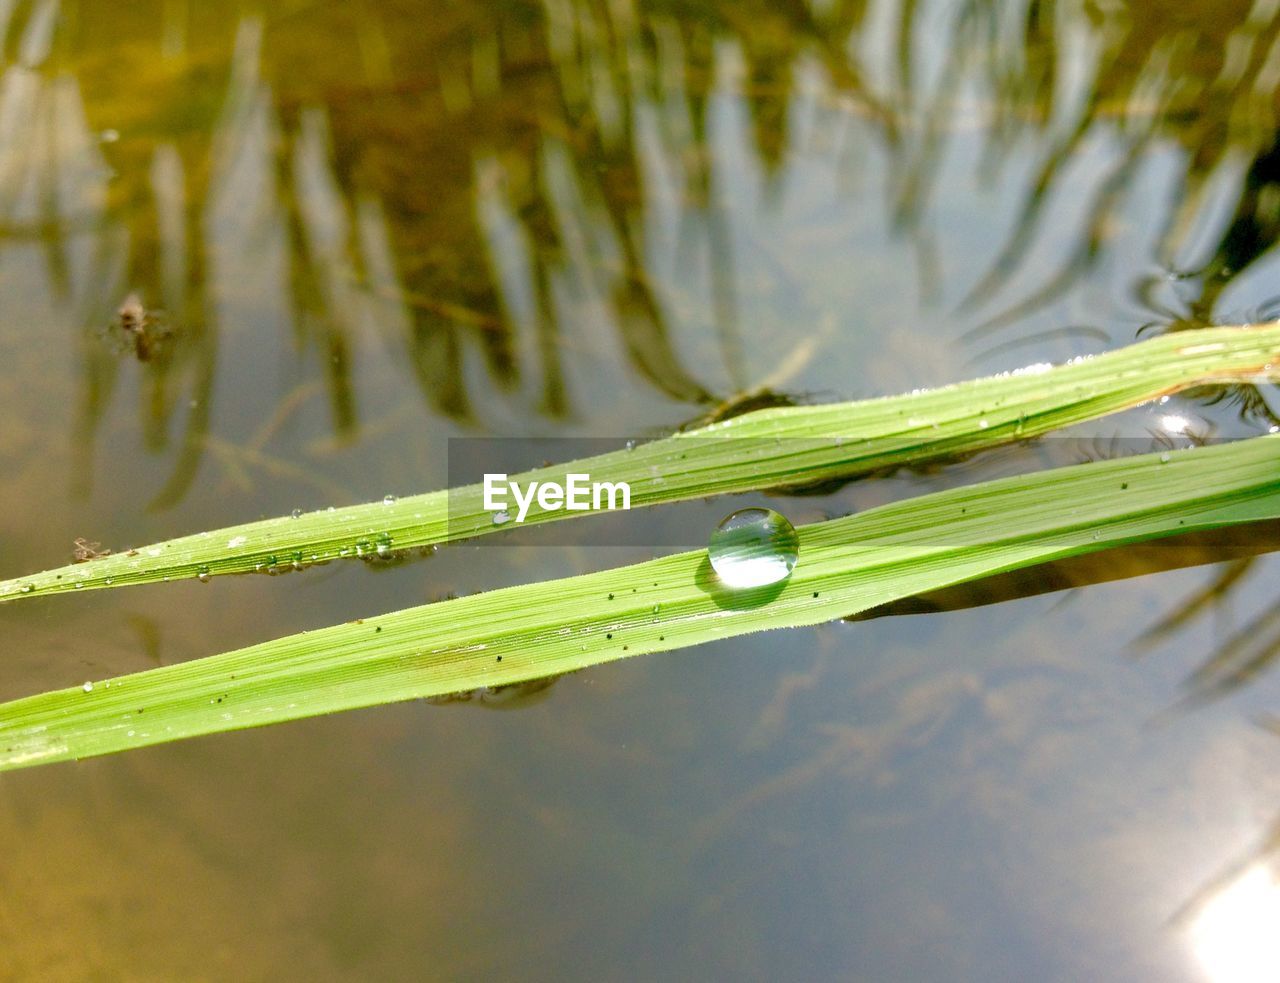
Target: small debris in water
column 84, row 550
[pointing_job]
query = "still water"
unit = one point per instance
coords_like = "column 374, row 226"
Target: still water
column 261, row 258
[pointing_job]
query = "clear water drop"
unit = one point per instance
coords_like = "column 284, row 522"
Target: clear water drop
column 87, row 687
column 1164, row 458
column 296, row 514
column 27, row 588
column 752, row 548
column 202, row 574
column 983, row 424
column 388, row 500
column 501, row 517
column 630, row 445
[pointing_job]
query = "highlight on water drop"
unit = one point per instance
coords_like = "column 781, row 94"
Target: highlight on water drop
column 753, row 547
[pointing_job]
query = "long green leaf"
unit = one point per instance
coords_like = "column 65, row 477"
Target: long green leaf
column 765, row 449
column 505, row 636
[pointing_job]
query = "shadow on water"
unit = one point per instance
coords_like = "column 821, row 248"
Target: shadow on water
column 1238, row 659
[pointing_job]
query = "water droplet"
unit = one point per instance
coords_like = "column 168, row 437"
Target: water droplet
column 983, row 424
column 630, row 445
column 753, row 547
column 202, row 574
column 1164, row 458
column 109, row 136
column 27, row 588
column 384, row 544
column 388, row 500
column 236, row 541
column 296, row 514
column 501, row 516
column 87, row 687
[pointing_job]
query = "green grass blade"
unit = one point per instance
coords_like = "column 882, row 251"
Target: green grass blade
column 505, row 636
column 765, row 449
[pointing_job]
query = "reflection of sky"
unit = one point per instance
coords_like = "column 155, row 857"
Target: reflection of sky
column 986, row 794
column 1235, row 936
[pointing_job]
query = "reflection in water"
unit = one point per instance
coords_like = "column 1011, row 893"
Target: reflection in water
column 1237, row 659
column 1234, row 934
column 472, row 182
column 510, row 197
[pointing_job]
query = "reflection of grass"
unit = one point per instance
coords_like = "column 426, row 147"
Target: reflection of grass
column 408, row 123
column 846, row 565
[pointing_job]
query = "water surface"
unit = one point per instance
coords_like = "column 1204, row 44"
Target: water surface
column 359, row 230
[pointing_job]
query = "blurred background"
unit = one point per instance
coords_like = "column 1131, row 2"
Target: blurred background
column 258, row 258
